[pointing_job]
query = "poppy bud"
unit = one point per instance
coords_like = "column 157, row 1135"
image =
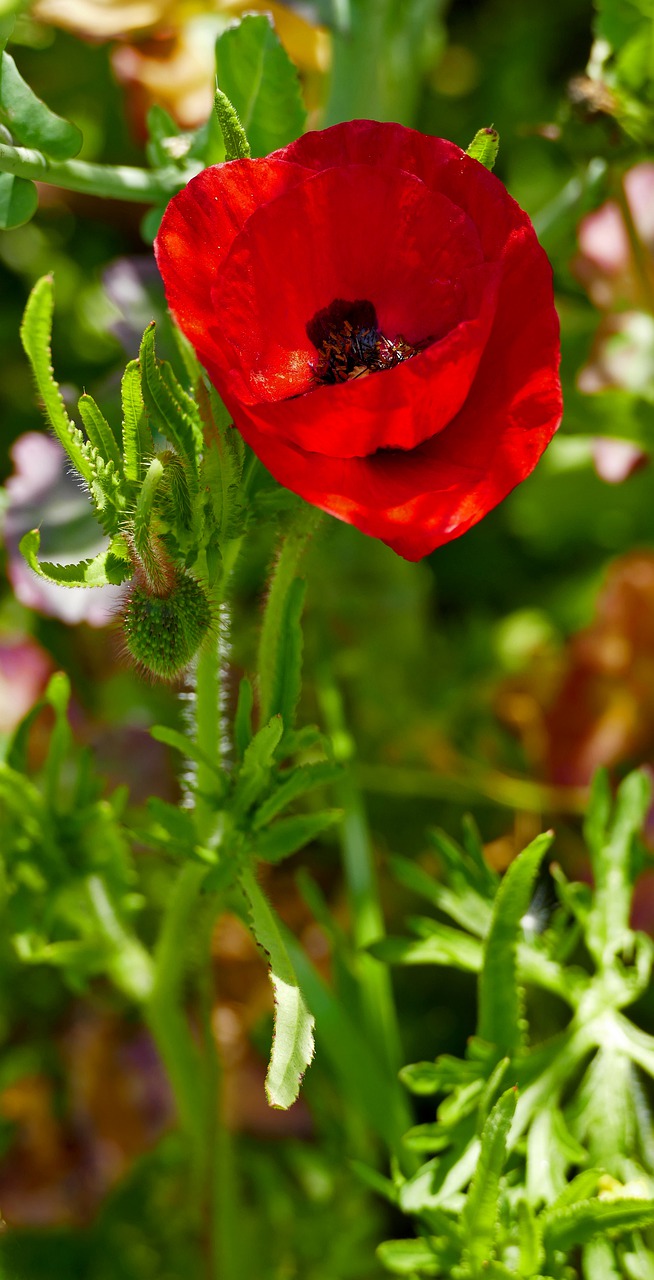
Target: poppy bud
column 163, row 632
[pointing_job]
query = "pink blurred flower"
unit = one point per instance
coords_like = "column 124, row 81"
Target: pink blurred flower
column 43, row 493
column 24, row 671
column 605, row 263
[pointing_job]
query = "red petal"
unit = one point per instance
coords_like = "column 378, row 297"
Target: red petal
column 199, row 228
column 417, row 501
column 353, row 233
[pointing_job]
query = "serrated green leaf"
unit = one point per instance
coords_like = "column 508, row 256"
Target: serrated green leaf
column 464, row 905
column 484, row 147
column 292, row 1047
column 357, row 1065
column 406, row 1257
column 172, row 411
column 138, row 445
column 445, row 947
column 608, row 920
column 99, row 432
column 294, row 784
column 280, row 644
column 578, row 1223
column 481, row 1209
column 19, row 201
column 500, row 1015
column 289, row 835
column 257, row 76
column 287, row 679
column 254, row 775
column 35, row 334
column 30, row 121
column 103, row 570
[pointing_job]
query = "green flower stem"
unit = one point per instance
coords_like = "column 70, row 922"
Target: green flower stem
column 208, row 722
column 305, row 523
column 168, row 1022
column 362, row 883
column 120, row 182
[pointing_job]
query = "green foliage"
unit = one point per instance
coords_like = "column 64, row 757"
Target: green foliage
column 258, row 78
column 30, row 121
column 485, row 146
column 500, row 1020
column 67, row 868
column 572, row 1100
column 293, row 1047
column 19, row 200
column 622, row 60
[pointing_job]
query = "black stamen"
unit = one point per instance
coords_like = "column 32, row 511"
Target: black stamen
column 350, row 344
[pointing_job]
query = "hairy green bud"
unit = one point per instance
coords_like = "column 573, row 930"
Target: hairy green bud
column 163, row 632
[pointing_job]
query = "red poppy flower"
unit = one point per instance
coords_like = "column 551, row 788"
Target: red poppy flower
column 377, row 314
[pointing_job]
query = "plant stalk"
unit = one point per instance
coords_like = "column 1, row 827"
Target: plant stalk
column 118, row 182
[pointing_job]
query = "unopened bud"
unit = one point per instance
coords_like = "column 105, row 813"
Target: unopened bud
column 163, row 632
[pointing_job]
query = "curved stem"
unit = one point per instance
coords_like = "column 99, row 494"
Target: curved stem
column 641, row 257
column 121, row 182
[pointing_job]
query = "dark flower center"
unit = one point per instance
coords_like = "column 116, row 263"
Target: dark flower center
column 350, row 343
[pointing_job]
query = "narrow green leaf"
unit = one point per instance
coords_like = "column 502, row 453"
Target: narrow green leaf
column 237, row 146
column 287, row 681
column 530, row 1241
column 578, row 1223
column 35, row 334
column 485, row 146
column 500, row 1015
column 30, row 121
column 257, row 76
column 446, row 946
column 99, row 432
column 280, row 644
column 254, row 775
column 359, row 1068
column 19, row 201
column 611, row 862
column 292, row 1047
column 464, row 904
column 243, row 718
column 172, row 411
column 289, row 835
column 104, row 569
column 480, row 1213
column 137, row 437
column 296, row 783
